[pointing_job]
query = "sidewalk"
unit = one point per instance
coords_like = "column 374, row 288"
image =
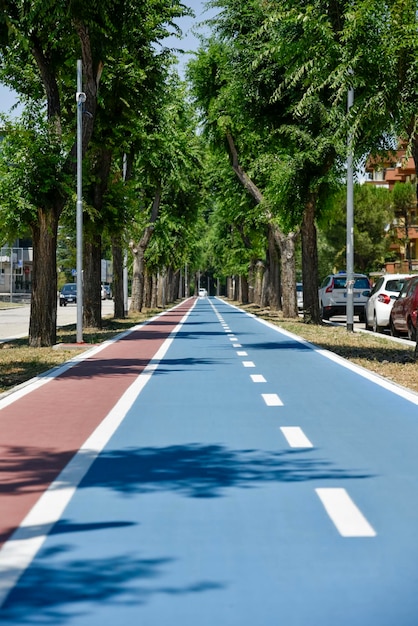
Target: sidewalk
column 44, row 424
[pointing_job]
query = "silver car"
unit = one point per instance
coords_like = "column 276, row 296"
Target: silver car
column 333, row 295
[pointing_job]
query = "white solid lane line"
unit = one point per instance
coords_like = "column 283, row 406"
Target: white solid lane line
column 272, row 399
column 295, row 437
column 348, row 519
column 18, row 552
column 258, row 378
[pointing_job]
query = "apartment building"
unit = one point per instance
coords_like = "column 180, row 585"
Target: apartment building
column 385, row 172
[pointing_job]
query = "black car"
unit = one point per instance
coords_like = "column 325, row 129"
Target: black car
column 68, row 294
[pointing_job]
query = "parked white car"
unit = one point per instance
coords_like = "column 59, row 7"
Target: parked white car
column 333, row 295
column 382, row 297
column 299, row 295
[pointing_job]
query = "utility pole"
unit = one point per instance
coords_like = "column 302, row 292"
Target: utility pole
column 350, row 223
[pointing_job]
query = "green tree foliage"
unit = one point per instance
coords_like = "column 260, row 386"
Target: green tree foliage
column 39, row 45
column 373, row 214
column 166, row 173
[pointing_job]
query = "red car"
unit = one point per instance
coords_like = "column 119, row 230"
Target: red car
column 403, row 317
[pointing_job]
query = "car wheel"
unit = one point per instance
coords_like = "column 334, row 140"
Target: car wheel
column 324, row 314
column 412, row 331
column 393, row 330
column 376, row 327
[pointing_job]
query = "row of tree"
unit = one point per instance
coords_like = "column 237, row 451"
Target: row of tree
column 238, row 189
column 141, row 155
column 271, row 83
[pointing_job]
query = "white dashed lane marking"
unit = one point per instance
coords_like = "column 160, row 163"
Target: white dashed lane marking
column 272, row 399
column 348, row 519
column 258, row 378
column 345, row 515
column 295, row 437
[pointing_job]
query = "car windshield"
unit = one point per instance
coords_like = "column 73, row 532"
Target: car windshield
column 69, row 288
column 395, row 285
column 340, row 282
column 361, row 283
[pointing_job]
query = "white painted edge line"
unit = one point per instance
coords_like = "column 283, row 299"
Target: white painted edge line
column 242, row 353
column 258, row 378
column 22, row 390
column 348, row 519
column 407, row 394
column 295, row 437
column 272, row 399
column 248, row 364
column 19, row 551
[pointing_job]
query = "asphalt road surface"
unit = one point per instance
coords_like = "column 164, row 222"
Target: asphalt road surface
column 14, row 322
column 242, row 478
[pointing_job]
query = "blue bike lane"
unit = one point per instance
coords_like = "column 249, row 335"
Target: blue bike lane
column 253, row 479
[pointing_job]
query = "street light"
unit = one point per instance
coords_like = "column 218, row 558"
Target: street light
column 350, row 223
column 80, row 99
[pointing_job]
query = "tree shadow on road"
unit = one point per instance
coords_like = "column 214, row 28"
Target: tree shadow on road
column 58, row 586
column 206, row 471
column 58, row 589
column 192, row 470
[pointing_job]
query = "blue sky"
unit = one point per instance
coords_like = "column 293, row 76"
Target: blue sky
column 188, row 42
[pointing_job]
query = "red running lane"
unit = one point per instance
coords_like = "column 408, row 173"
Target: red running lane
column 41, row 432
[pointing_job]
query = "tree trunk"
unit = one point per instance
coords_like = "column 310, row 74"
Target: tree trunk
column 260, row 270
column 274, row 265
column 311, row 311
column 148, row 289
column 138, row 251
column 243, row 287
column 117, row 285
column 43, row 311
column 154, row 291
column 92, row 304
column 138, row 278
column 286, row 244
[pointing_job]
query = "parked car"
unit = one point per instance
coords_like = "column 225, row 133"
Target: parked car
column 382, row 297
column 202, row 293
column 299, row 295
column 403, row 317
column 68, row 294
column 106, row 292
column 333, row 295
